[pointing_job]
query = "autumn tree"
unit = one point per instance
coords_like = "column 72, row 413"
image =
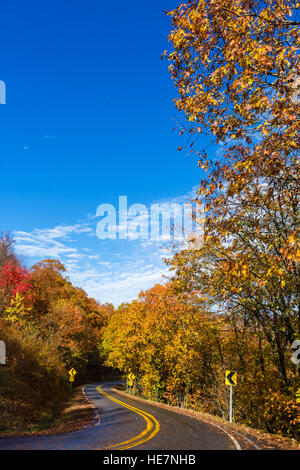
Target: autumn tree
column 236, row 68
column 48, row 325
column 14, row 280
column 235, row 64
column 48, row 285
column 169, row 342
column 63, row 311
column 7, row 250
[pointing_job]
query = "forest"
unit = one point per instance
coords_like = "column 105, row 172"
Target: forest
column 48, row 326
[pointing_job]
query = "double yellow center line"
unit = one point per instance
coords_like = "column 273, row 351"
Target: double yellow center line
column 148, row 433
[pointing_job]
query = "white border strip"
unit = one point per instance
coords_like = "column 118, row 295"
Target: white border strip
column 97, row 418
column 247, row 439
column 237, row 445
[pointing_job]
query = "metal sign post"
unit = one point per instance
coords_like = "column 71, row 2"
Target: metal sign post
column 72, row 374
column 231, row 380
column 230, row 405
column 71, row 378
column 131, row 378
column 2, row 353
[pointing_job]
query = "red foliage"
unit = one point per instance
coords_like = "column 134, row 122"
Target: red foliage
column 14, row 279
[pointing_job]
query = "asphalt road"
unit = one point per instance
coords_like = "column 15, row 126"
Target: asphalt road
column 129, row 424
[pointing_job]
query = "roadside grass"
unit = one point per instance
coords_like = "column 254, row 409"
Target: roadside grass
column 75, row 414
column 26, row 410
column 34, row 393
column 24, row 407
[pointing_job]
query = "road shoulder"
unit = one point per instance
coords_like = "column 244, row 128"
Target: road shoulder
column 75, row 414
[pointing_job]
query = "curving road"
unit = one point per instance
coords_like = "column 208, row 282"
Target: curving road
column 129, row 424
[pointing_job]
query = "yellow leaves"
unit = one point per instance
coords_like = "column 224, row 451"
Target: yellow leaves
column 270, row 271
column 204, row 166
column 292, row 239
column 245, row 270
column 246, row 51
column 298, row 396
column 17, row 313
column 291, row 250
column 247, row 164
column 178, row 39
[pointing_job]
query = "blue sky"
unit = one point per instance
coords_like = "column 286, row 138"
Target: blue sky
column 89, row 117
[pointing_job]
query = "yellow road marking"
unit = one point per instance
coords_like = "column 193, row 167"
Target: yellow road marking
column 147, row 434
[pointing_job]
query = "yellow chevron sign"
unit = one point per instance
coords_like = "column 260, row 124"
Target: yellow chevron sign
column 230, row 377
column 131, row 378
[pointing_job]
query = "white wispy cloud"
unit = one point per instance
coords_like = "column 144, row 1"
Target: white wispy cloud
column 49, row 242
column 109, row 270
column 119, row 287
